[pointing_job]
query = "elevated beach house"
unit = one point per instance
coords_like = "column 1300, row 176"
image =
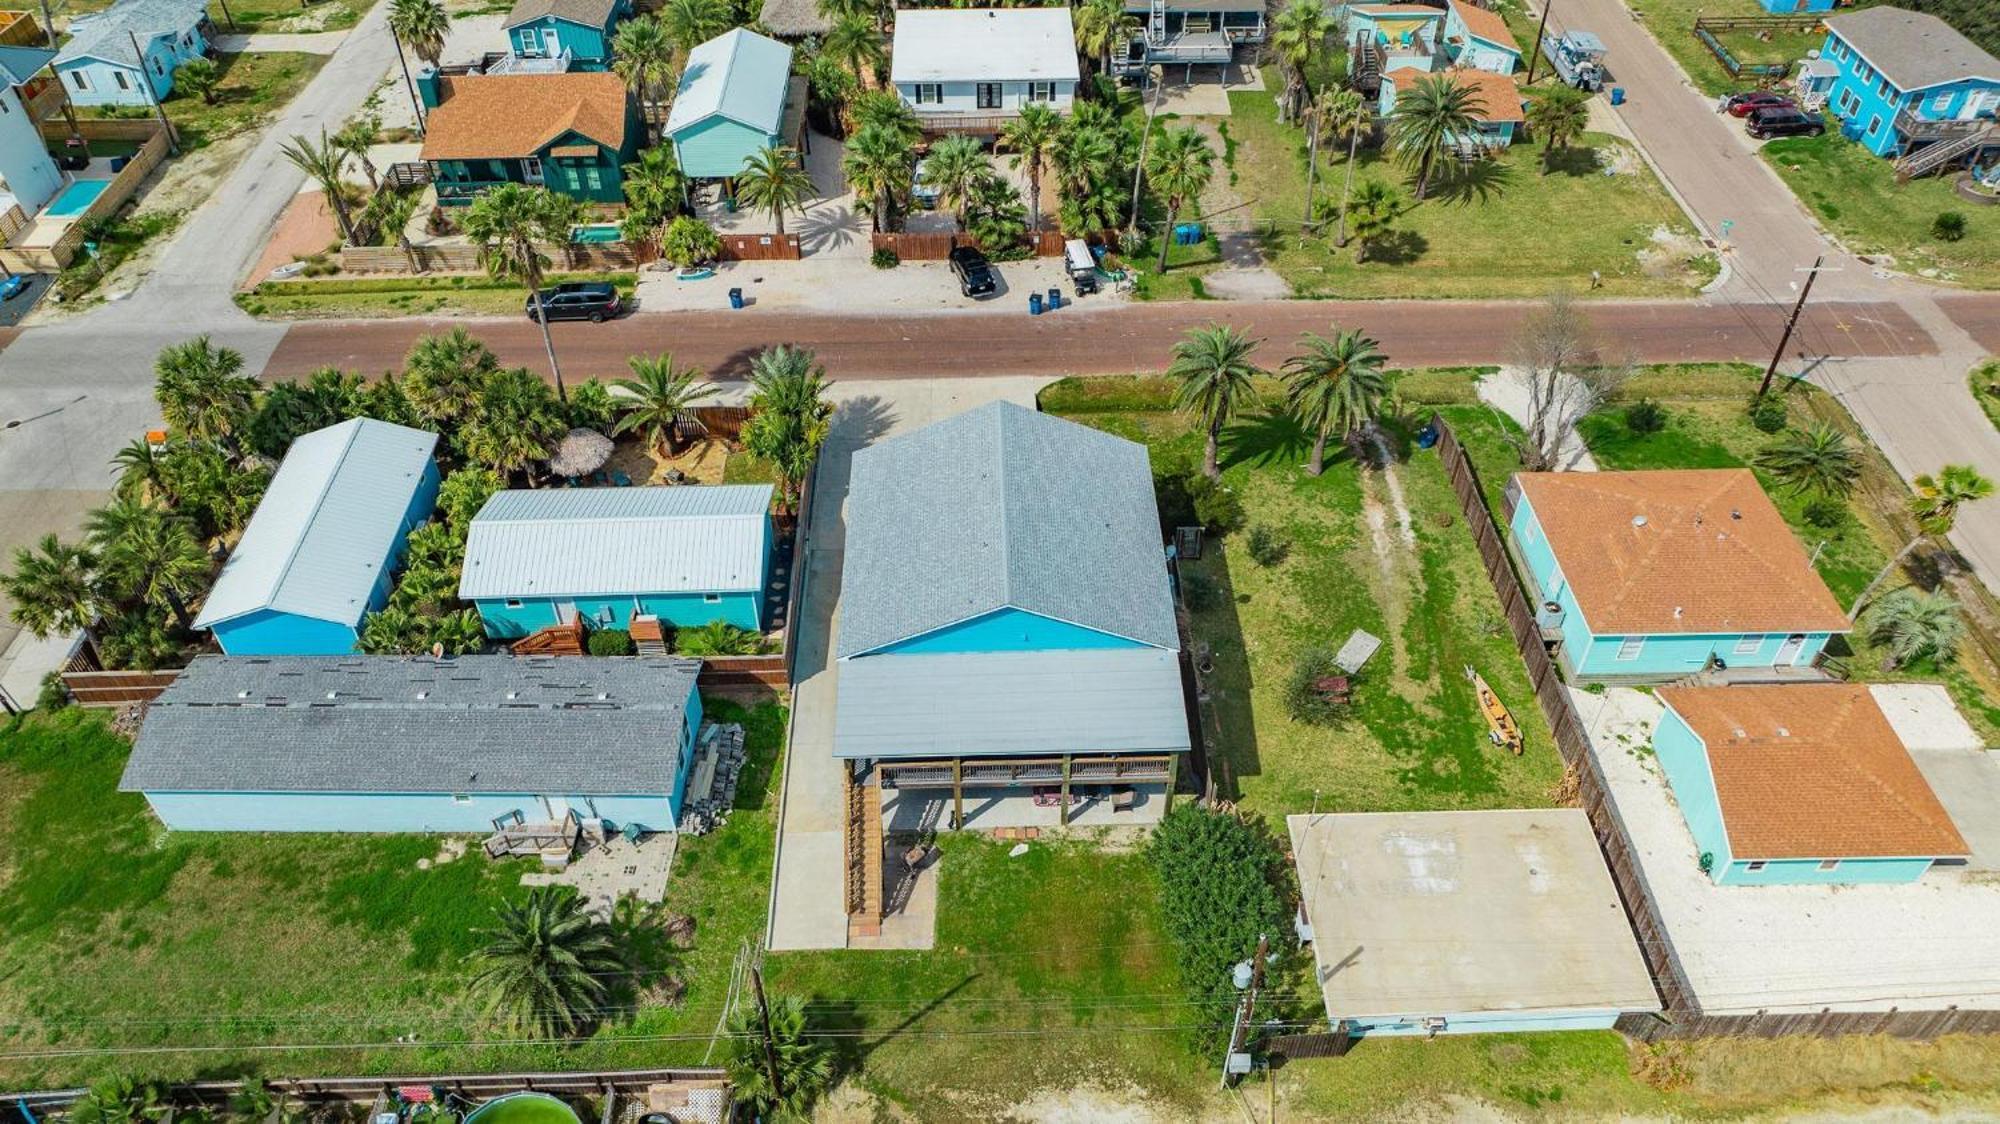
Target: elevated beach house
column 1906, row 82
column 566, row 34
column 971, row 71
column 1661, row 574
column 572, row 133
column 1189, row 32
column 1007, row 636
column 402, row 743
column 1792, row 783
column 688, row 556
column 29, row 177
column 320, row 552
column 737, row 97
column 97, row 64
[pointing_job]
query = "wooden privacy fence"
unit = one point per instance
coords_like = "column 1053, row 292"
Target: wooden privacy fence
column 117, row 688
column 721, row 673
column 56, row 256
column 760, row 247
column 364, row 1090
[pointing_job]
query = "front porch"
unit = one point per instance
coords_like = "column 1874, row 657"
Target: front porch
column 1065, row 791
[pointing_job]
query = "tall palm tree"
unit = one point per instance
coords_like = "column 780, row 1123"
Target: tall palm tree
column 545, row 962
column 1084, row 160
column 1346, row 117
column 885, row 109
column 1213, row 377
column 1178, row 168
column 658, row 401
column 202, row 391
column 356, row 138
column 690, row 23
column 420, row 25
column 1031, row 136
column 1558, row 115
column 1102, row 25
column 642, row 53
column 790, row 415
column 1298, row 34
column 509, row 224
column 55, row 589
column 953, row 167
column 785, row 1050
column 443, row 374
column 1430, row 119
column 856, row 43
column 324, row 164
column 1818, row 460
column 772, row 179
column 514, row 423
column 1914, row 625
column 1935, row 504
column 149, row 554
column 879, row 163
column 1335, row 385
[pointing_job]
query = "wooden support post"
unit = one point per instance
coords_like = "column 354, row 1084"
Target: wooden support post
column 1173, row 778
column 957, row 793
column 1063, row 809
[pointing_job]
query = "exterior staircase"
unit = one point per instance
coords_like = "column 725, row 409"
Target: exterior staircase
column 864, row 858
column 1364, row 66
column 1156, row 23
column 1943, row 153
column 555, row 640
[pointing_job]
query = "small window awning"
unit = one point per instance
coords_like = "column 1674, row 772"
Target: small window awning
column 585, row 150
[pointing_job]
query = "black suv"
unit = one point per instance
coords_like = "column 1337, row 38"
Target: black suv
column 975, row 274
column 1783, row 122
column 595, row 301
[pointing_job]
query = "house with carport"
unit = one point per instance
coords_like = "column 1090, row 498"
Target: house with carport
column 737, row 97
column 572, row 133
column 971, row 71
column 1661, row 574
column 97, row 65
column 567, row 34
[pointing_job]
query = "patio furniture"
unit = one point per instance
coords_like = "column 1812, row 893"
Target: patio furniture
column 620, row 479
column 633, row 833
column 1124, row 799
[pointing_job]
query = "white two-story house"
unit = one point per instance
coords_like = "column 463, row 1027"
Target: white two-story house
column 972, row 71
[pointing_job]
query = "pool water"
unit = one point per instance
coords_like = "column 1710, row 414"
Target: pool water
column 77, row 197
column 523, row 1108
column 595, row 233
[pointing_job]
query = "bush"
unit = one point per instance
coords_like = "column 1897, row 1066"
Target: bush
column 1268, row 546
column 1767, row 413
column 1303, row 701
column 1219, row 879
column 1215, row 505
column 1825, row 513
column 1199, row 591
column 718, row 638
column 53, row 695
column 688, row 242
column 884, row 258
column 610, row 642
column 1645, row 416
column 1949, row 226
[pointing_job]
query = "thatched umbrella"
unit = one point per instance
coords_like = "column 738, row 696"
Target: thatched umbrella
column 582, row 452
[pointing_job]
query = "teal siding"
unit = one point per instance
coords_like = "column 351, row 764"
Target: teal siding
column 1008, row 630
column 742, row 608
column 589, row 47
column 716, row 147
column 271, row 633
column 1482, row 1022
column 1799, row 872
column 1684, row 759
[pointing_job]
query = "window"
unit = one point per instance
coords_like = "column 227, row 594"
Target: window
column 1874, row 125
column 531, row 169
column 1748, row 645
column 1941, row 102
column 592, row 178
column 118, row 76
column 1041, row 91
column 1755, row 867
column 79, row 79
column 460, row 798
column 712, row 598
column 930, row 93
column 1829, row 864
column 513, row 602
column 987, row 95
column 1630, row 647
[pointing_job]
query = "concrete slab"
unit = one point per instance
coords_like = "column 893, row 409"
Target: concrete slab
column 911, row 923
column 831, row 283
column 1507, row 390
column 619, row 869
column 1924, row 717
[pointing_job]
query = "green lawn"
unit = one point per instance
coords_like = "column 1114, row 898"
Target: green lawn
column 1985, row 383
column 1672, row 23
column 1484, row 233
column 433, row 294
column 256, row 15
column 254, row 86
column 1855, row 194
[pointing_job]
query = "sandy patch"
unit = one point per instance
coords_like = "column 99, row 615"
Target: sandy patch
column 306, row 227
column 1670, row 254
column 1086, row 1105
column 702, row 462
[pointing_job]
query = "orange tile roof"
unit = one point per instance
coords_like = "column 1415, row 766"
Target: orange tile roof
column 1814, row 771
column 1499, row 95
column 1488, row 25
column 506, row 116
column 1679, row 551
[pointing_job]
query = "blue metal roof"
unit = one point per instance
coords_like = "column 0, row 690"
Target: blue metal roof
column 739, row 75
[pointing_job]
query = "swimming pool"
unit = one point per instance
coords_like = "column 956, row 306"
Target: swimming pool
column 77, row 197
column 523, row 1108
column 595, row 232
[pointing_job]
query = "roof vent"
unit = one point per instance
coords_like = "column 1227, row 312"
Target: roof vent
column 513, row 694
column 242, row 694
column 603, row 695
column 1735, row 513
column 1738, row 731
column 333, row 694
column 422, row 695
column 1677, row 612
column 1638, row 520
column 1784, row 733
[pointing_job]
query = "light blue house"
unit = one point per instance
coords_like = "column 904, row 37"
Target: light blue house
column 414, row 744
column 1789, row 7
column 320, row 553
column 732, row 104
column 1496, row 103
column 97, row 64
column 1007, row 625
column 1432, row 923
column 1787, row 784
column 688, row 555
column 1907, row 80
column 1478, row 39
column 1657, row 575
column 1389, row 37
column 574, row 34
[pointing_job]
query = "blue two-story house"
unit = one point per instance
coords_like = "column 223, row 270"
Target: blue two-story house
column 574, row 33
column 1657, row 575
column 687, row 555
column 1903, row 80
column 1797, row 783
column 97, row 66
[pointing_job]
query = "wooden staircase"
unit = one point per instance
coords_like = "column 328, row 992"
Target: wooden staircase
column 1940, row 154
column 555, row 640
column 649, row 637
column 1364, row 64
column 864, row 858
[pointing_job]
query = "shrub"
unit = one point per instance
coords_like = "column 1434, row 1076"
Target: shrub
column 718, row 638
column 885, row 258
column 1645, row 416
column 610, row 642
column 1215, row 505
column 1199, row 591
column 1949, row 226
column 688, row 242
column 1268, row 545
column 53, row 695
column 1767, row 413
column 1825, row 513
column 1303, row 701
column 1219, row 879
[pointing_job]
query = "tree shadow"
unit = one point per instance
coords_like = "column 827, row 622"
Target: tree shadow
column 1214, row 637
column 1477, row 182
column 1398, row 247
column 1573, row 161
column 1272, row 438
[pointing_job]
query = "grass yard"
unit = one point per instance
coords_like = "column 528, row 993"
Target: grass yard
column 1985, row 383
column 1415, row 739
column 461, row 294
column 1672, row 23
column 1485, row 234
column 257, row 15
column 1855, row 194
column 254, row 86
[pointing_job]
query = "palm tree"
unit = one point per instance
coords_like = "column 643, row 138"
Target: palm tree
column 1914, row 625
column 654, row 185
column 444, row 373
column 1298, row 34
column 953, row 166
column 546, row 961
column 785, row 1051
column 1213, row 375
column 884, row 109
column 1031, row 136
column 1559, row 115
column 142, row 471
column 1337, row 385
column 421, row 25
column 515, row 422
column 790, row 416
column 1815, row 460
column 202, row 392
column 1429, row 120
column 55, row 589
column 149, row 554
column 690, row 23
column 508, row 224
column 772, row 178
column 1178, row 167
column 856, row 43
column 717, row 638
column 879, row 163
column 199, row 76
column 642, row 53
column 659, row 400
column 323, row 163
column 355, row 138
column 1372, row 216
column 1344, row 116
column 1100, row 26
column 1085, row 160
column 1936, row 506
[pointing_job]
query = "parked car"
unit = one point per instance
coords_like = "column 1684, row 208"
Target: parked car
column 1743, row 105
column 923, row 195
column 1782, row 122
column 975, row 274
column 595, row 301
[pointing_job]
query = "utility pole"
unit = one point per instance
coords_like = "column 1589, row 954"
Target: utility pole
column 1146, row 138
column 146, row 78
column 1791, row 322
column 1246, row 1009
column 770, row 1046
column 1535, row 51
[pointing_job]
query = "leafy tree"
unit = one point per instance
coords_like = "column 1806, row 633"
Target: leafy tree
column 290, row 409
column 1818, row 460
column 654, row 186
column 879, row 162
column 200, row 77
column 1298, row 36
column 217, row 494
column 1935, row 504
column 1372, row 216
column 137, row 640
column 804, row 1064
column 1031, row 135
column 148, row 553
column 324, row 163
column 1102, row 26
column 464, row 492
column 1213, row 376
column 1219, row 878
column 1559, row 115
column 591, row 406
column 856, row 43
column 773, row 180
column 717, row 638
column 1429, row 120
column 830, row 86
column 443, row 376
column 659, row 401
column 1178, row 167
column 642, row 53
column 954, row 167
column 1914, row 625
column 1335, row 385
column 121, row 1100
column 55, row 588
column 515, row 423
column 202, row 391
column 545, row 961
column 508, row 224
column 688, row 242
column 790, row 415
column 690, row 23
column 994, row 215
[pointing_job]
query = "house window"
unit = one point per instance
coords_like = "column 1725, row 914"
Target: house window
column 1941, row 102
column 1748, row 645
column 79, row 79
column 592, row 177
column 118, row 76
column 531, row 169
column 1041, row 91
column 513, row 602
column 930, row 93
column 987, row 95
column 1829, row 864
column 460, row 798
column 712, row 598
column 1630, row 647
column 1755, row 867
column 1874, row 125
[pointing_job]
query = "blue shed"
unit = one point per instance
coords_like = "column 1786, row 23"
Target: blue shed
column 1786, row 784
column 576, row 33
column 97, row 65
column 320, row 552
column 1908, row 80
column 414, row 744
column 1656, row 575
column 689, row 555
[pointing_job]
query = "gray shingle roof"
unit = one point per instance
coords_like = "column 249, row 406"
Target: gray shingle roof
column 108, row 34
column 1914, row 49
column 589, row 13
column 1003, row 507
column 369, row 724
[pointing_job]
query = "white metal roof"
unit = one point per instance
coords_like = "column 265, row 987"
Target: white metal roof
column 327, row 525
column 739, row 75
column 577, row 542
column 1017, row 44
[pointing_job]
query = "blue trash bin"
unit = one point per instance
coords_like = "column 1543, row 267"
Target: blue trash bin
column 1034, row 304
column 736, row 298
column 1617, row 95
column 1055, row 300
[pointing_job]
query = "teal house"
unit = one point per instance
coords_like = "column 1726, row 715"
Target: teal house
column 571, row 133
column 1906, row 81
column 735, row 100
column 572, row 34
column 1787, row 784
column 1657, row 575
column 688, row 555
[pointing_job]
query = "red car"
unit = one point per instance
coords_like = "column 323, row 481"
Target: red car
column 1743, row 105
